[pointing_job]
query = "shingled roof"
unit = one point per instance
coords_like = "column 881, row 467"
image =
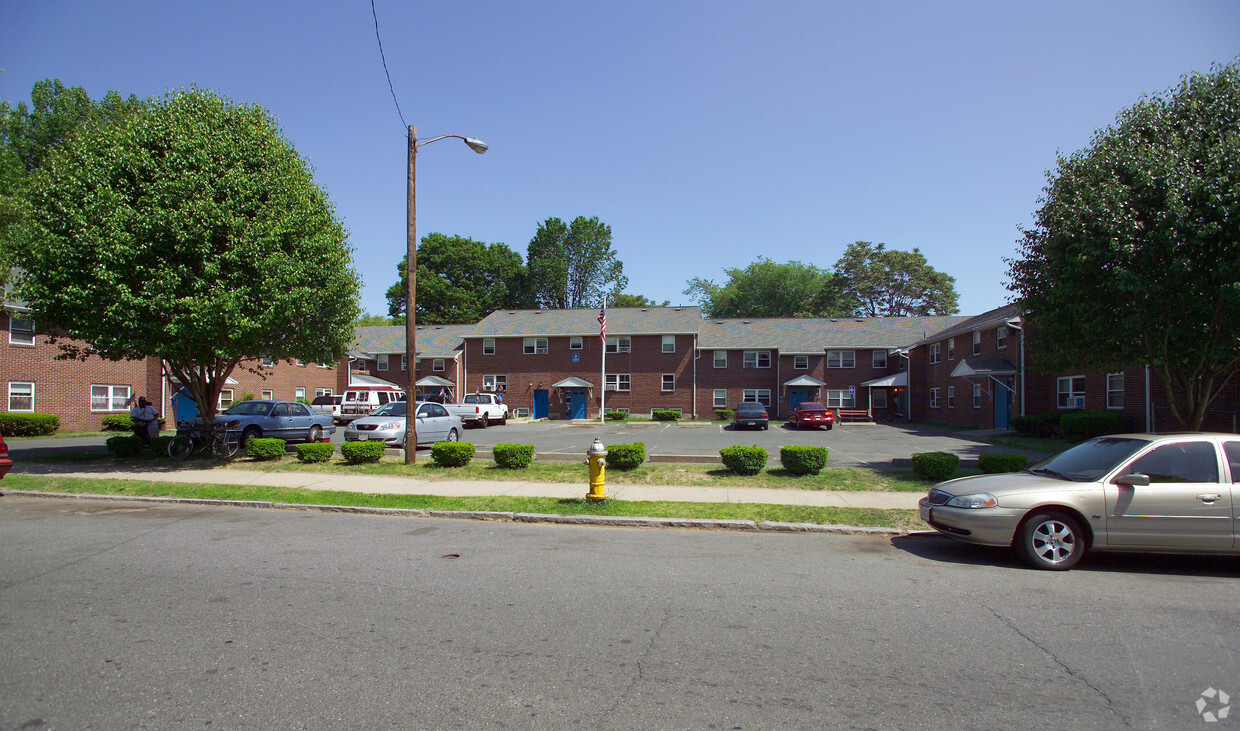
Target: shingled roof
column 812, row 335
column 584, row 322
column 985, row 321
column 434, row 341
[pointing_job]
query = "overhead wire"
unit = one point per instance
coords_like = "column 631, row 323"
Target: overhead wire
column 385, row 66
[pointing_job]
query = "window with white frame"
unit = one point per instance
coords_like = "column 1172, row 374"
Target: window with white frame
column 21, row 396
column 226, row 398
column 951, row 348
column 977, row 395
column 756, row 359
column 381, row 362
column 322, row 392
column 534, row 346
column 437, row 365
column 404, row 362
column 268, row 394
column 934, row 353
column 951, row 397
column 840, row 398
column 977, row 342
column 574, row 343
column 759, row 395
column 617, row 382
column 1001, row 337
column 495, row 382
column 522, row 412
column 841, row 359
column 878, row 399
column 300, row 362
column 934, row 398
column 322, row 365
column 1071, row 392
column 720, row 398
column 488, row 346
column 619, row 344
column 800, row 362
column 1115, row 390
column 267, row 361
column 669, row 381
column 669, row 343
column 109, row 398
column 21, row 331
column 879, row 359
column 721, row 359
column 299, row 394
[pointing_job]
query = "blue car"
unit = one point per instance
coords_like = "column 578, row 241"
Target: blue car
column 288, row 420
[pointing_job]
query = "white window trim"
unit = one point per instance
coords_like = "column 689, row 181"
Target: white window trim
column 488, row 346
column 669, row 340
column 126, row 391
column 404, row 362
column 1001, row 337
column 758, row 357
column 715, row 398
column 951, row 349
column 934, row 398
column 535, row 346
column 31, row 395
column 299, row 393
column 437, row 365
column 492, row 382
column 977, row 395
column 1075, row 401
column 230, row 393
column 1120, row 391
column 840, row 360
column 615, row 380
column 619, row 344
column 323, row 392
column 800, row 362
column 575, row 343
column 266, row 361
column 720, row 359
column 936, row 353
column 268, row 394
column 977, row 342
column 878, row 359
column 840, row 398
column 33, row 339
column 381, row 362
column 757, row 395
column 665, row 377
column 951, row 397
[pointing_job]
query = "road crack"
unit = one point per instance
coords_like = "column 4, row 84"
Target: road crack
column 640, row 674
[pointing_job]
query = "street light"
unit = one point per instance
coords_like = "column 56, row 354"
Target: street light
column 411, row 328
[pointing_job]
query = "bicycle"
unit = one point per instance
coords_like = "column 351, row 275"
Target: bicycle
column 192, row 438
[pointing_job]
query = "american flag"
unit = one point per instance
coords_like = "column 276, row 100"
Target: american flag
column 602, row 325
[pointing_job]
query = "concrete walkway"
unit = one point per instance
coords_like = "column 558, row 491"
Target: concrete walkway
column 382, row 484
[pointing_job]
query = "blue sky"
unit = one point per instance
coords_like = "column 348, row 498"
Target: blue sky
column 705, row 134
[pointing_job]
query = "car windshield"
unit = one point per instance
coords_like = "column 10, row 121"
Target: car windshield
column 810, row 406
column 394, row 408
column 1089, row 461
column 250, row 408
column 474, row 399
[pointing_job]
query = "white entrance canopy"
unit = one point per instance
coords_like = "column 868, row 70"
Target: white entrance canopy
column 801, row 381
column 573, row 382
column 895, row 380
column 434, row 382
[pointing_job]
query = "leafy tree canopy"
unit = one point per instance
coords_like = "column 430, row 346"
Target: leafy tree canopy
column 1135, row 252
column 368, row 320
column 460, row 280
column 573, row 265
column 624, row 299
column 768, row 289
column 189, row 230
column 882, row 282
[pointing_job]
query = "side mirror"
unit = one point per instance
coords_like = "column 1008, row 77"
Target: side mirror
column 1133, row 480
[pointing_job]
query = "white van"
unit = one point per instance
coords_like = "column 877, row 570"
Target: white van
column 361, row 400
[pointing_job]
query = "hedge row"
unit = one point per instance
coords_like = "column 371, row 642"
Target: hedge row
column 123, row 422
column 996, row 463
column 28, row 425
column 1074, row 425
column 264, row 448
column 665, row 415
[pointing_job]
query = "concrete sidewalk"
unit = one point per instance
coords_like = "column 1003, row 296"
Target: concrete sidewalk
column 382, row 484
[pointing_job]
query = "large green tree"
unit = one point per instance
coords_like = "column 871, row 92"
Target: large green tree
column 881, row 282
column 1135, row 253
column 769, row 289
column 573, row 265
column 460, row 280
column 189, row 230
column 624, row 299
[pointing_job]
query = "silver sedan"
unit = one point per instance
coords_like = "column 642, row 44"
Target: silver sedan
column 387, row 424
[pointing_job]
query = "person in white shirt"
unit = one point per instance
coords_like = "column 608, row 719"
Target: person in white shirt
column 145, row 420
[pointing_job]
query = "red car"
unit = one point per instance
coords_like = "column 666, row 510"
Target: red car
column 811, row 414
column 5, row 463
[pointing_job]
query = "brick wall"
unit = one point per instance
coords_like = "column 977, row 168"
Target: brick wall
column 962, row 411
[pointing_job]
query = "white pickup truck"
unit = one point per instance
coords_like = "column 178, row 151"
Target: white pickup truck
column 480, row 410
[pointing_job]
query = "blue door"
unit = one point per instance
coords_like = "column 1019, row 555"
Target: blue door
column 575, row 403
column 799, row 395
column 1003, row 404
column 541, row 404
column 184, row 406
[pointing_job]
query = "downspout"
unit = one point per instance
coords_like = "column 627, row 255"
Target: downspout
column 908, row 385
column 1014, row 323
column 1149, row 413
column 696, row 354
column 779, row 396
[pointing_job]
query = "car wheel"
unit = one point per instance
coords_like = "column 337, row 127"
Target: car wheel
column 503, row 420
column 1052, row 540
column 251, row 432
column 316, row 433
column 483, row 423
column 452, row 435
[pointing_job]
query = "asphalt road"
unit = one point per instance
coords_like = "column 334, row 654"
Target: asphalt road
column 122, row 615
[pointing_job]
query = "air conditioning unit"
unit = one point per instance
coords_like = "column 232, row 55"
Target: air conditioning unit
column 747, row 365
column 611, row 387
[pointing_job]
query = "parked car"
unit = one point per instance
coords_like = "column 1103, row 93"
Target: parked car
column 361, row 400
column 750, row 414
column 811, row 414
column 328, row 405
column 6, row 464
column 480, row 410
column 387, row 424
column 291, row 421
column 1128, row 492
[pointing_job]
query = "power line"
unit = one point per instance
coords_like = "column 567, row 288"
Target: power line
column 385, row 66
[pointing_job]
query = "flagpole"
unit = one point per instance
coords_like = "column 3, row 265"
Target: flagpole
column 602, row 336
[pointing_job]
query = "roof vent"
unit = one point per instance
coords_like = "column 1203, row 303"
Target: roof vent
column 834, row 320
column 718, row 322
column 677, row 309
column 644, row 310
column 748, row 321
column 859, row 320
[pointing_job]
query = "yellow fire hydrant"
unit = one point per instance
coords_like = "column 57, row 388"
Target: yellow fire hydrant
column 595, row 455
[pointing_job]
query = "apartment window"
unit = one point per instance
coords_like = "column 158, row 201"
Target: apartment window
column 977, row 342
column 21, row 396
column 841, row 359
column 800, row 362
column 669, row 343
column 108, row 398
column 840, row 398
column 1001, row 337
column 381, row 362
column 437, row 365
column 669, row 382
column 977, row 395
column 879, row 359
column 300, row 362
column 495, row 382
column 756, row 359
column 878, row 399
column 721, row 398
column 721, row 359
column 299, row 394
column 620, row 344
column 951, row 397
column 617, row 382
column 404, row 362
column 488, row 346
column 322, row 392
column 267, row 361
column 574, row 343
column 21, row 331
column 1115, row 390
column 759, row 395
column 226, row 398
column 934, row 398
column 951, row 348
column 534, row 346
column 322, row 365
column 523, row 412
column 1071, row 391
column 268, row 394
column 934, row 353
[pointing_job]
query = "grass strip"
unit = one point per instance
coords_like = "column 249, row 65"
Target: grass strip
column 900, row 519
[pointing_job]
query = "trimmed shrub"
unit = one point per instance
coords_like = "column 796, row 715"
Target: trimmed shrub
column 744, row 460
column 935, row 466
column 124, row 446
column 616, row 416
column 803, row 459
column 1082, row 425
column 665, row 415
column 1045, row 426
column 995, row 463
column 724, row 414
column 262, row 448
column 122, row 422
column 361, row 452
column 28, row 425
column 242, row 398
column 315, row 452
column 452, row 454
column 159, row 445
column 626, row 456
column 513, row 456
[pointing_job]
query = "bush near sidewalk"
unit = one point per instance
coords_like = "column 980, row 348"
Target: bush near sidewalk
column 626, row 456
column 997, row 463
column 935, row 466
column 513, row 456
column 361, row 452
column 28, row 425
column 124, row 446
column 803, row 459
column 744, row 460
column 315, row 452
column 264, row 448
column 452, row 454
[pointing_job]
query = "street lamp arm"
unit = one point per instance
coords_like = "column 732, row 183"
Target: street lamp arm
column 474, row 143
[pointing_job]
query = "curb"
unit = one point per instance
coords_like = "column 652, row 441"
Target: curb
column 619, row 521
